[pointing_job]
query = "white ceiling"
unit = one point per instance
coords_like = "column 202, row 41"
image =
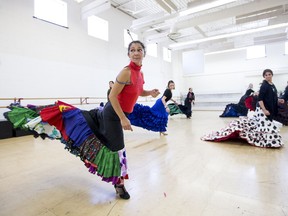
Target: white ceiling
column 160, row 21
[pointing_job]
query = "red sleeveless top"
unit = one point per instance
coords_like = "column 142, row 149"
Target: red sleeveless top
column 130, row 93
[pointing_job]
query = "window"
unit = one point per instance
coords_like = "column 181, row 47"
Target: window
column 166, row 54
column 97, row 27
column 152, row 49
column 127, row 37
column 53, row 11
column 286, row 48
column 256, row 52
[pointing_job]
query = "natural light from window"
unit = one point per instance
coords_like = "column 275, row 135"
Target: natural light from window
column 256, row 52
column 286, row 48
column 54, row 11
column 166, row 54
column 97, row 27
column 152, row 50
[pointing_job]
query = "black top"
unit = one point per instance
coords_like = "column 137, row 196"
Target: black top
column 268, row 94
column 167, row 94
column 249, row 92
column 190, row 97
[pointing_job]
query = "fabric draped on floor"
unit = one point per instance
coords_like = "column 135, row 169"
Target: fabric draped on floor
column 256, row 129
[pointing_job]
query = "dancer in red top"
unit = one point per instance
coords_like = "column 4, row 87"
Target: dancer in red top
column 97, row 136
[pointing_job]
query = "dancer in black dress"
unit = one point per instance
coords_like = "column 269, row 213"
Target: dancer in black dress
column 268, row 97
column 189, row 100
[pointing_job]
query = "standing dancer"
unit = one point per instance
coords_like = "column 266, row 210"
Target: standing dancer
column 190, row 98
column 97, row 136
column 268, row 97
column 154, row 118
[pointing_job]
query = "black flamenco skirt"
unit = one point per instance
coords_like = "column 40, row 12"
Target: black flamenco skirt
column 153, row 118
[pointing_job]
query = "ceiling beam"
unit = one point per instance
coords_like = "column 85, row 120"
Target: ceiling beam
column 223, row 14
column 230, row 12
column 164, row 6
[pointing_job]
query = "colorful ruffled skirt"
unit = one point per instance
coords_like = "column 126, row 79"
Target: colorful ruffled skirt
column 67, row 123
column 153, row 118
column 256, row 129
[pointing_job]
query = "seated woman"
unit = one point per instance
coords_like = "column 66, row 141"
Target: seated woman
column 251, row 102
column 239, row 109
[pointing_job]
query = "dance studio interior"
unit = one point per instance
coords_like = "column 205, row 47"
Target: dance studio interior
column 205, row 164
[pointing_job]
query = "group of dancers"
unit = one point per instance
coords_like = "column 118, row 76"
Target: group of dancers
column 258, row 126
column 96, row 136
column 249, row 102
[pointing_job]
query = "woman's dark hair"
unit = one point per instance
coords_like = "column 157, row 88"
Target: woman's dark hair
column 170, row 81
column 267, row 71
column 139, row 42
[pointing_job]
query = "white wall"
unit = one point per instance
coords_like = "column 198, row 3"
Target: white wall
column 39, row 59
column 232, row 72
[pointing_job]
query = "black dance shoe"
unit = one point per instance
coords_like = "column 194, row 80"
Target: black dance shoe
column 121, row 190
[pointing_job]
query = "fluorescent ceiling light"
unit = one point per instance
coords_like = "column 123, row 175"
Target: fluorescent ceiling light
column 250, row 31
column 225, row 51
column 205, row 7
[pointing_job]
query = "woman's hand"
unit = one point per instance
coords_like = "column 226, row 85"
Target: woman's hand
column 126, row 125
column 167, row 109
column 154, row 93
column 266, row 112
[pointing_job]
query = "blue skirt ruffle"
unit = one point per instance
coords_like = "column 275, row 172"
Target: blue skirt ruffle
column 153, row 118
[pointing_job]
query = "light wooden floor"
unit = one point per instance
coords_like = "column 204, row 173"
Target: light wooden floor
column 173, row 175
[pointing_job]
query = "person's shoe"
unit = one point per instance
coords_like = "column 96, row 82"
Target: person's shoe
column 121, row 190
column 163, row 134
